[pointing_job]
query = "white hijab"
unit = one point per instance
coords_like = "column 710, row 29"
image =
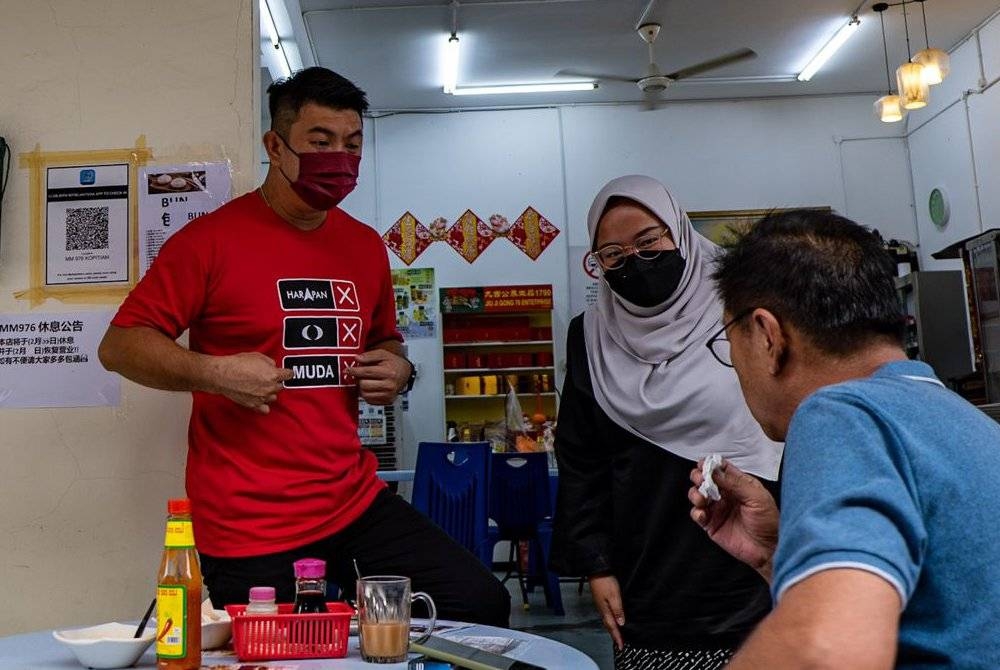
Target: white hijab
column 651, row 371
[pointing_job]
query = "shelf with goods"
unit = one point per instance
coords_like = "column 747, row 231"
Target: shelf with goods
column 496, row 338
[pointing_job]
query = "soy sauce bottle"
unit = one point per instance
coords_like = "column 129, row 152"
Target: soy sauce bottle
column 310, row 586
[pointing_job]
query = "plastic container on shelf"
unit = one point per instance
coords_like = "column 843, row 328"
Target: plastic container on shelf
column 543, row 359
column 453, row 360
column 262, row 637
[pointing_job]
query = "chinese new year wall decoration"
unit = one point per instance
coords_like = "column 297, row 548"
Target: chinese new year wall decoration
column 469, row 236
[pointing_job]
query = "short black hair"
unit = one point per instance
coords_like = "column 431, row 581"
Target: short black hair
column 314, row 84
column 828, row 276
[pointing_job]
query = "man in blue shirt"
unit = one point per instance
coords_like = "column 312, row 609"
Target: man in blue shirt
column 889, row 546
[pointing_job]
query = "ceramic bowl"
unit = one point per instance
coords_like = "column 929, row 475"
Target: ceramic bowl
column 216, row 627
column 109, row 645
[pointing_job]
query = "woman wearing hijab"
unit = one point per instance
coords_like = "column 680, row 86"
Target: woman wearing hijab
column 643, row 400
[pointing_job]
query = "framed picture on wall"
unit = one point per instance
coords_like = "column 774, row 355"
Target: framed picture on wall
column 724, row 227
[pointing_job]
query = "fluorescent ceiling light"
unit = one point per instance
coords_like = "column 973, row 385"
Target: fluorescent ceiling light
column 526, row 88
column 451, row 65
column 267, row 21
column 820, row 59
column 280, row 58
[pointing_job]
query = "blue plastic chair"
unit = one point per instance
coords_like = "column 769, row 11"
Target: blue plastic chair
column 450, row 486
column 521, row 507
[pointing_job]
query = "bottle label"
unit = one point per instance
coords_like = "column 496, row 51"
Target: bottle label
column 171, row 621
column 180, row 535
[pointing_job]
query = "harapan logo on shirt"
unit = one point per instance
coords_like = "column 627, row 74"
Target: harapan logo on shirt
column 322, row 332
column 318, row 371
column 306, row 294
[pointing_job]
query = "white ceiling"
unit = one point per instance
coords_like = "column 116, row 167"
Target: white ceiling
column 393, row 48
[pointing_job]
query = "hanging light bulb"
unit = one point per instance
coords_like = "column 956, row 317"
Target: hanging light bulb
column 889, row 109
column 910, row 77
column 937, row 63
column 913, row 89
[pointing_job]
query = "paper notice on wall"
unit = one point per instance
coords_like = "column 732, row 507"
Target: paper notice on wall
column 584, row 278
column 371, row 423
column 50, row 360
column 86, row 225
column 172, row 195
column 415, row 310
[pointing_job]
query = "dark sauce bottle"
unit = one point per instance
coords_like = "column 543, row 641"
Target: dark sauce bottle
column 310, row 586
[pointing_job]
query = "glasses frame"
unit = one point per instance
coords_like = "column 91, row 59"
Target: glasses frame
column 631, row 248
column 720, row 335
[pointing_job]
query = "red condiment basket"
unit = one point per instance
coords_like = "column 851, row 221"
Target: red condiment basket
column 267, row 637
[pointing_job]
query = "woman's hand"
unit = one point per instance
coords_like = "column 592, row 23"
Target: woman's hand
column 744, row 522
column 608, row 600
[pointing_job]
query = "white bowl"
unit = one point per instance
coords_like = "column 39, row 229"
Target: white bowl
column 109, row 645
column 216, row 628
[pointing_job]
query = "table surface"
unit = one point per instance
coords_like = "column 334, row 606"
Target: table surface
column 407, row 475
column 40, row 651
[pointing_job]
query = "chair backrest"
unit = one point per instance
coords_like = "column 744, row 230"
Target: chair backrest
column 450, row 486
column 519, row 491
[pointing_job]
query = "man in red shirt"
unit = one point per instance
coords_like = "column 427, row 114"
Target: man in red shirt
column 290, row 308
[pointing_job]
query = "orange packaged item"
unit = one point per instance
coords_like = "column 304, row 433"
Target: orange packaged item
column 178, row 594
column 468, row 386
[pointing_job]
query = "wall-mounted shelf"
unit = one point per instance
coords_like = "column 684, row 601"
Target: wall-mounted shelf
column 496, row 338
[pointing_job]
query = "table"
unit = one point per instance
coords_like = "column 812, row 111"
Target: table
column 407, row 475
column 40, row 651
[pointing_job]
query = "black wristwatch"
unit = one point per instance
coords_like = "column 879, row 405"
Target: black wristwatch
column 412, row 378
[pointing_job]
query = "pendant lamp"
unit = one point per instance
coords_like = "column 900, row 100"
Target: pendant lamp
column 937, row 63
column 888, row 108
column 913, row 89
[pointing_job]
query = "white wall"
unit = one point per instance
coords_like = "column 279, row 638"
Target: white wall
column 718, row 155
column 745, row 155
column 83, row 491
column 955, row 145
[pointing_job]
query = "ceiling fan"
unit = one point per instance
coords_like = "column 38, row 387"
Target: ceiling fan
column 654, row 82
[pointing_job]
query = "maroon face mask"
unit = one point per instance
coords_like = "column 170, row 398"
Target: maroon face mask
column 325, row 177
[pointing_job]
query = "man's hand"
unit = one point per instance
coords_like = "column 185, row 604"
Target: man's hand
column 249, row 379
column 608, row 600
column 381, row 375
column 744, row 522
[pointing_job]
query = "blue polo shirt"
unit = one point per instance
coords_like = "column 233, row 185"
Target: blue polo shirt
column 898, row 476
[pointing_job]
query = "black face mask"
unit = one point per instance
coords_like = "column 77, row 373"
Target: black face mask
column 647, row 283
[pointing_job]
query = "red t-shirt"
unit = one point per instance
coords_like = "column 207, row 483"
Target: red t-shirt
column 242, row 279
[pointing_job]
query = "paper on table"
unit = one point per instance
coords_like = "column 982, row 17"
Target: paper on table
column 494, row 645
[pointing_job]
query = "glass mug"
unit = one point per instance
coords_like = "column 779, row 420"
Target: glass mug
column 384, row 617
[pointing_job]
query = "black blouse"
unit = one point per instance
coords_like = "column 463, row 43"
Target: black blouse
column 622, row 509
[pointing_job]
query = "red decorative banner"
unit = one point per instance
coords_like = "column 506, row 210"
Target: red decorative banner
column 532, row 233
column 496, row 299
column 470, row 236
column 407, row 238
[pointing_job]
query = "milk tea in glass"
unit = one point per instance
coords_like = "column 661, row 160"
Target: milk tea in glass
column 384, row 617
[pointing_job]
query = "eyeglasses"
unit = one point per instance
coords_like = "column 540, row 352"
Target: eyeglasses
column 612, row 256
column 718, row 344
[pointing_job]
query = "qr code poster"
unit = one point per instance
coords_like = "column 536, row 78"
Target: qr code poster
column 86, row 225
